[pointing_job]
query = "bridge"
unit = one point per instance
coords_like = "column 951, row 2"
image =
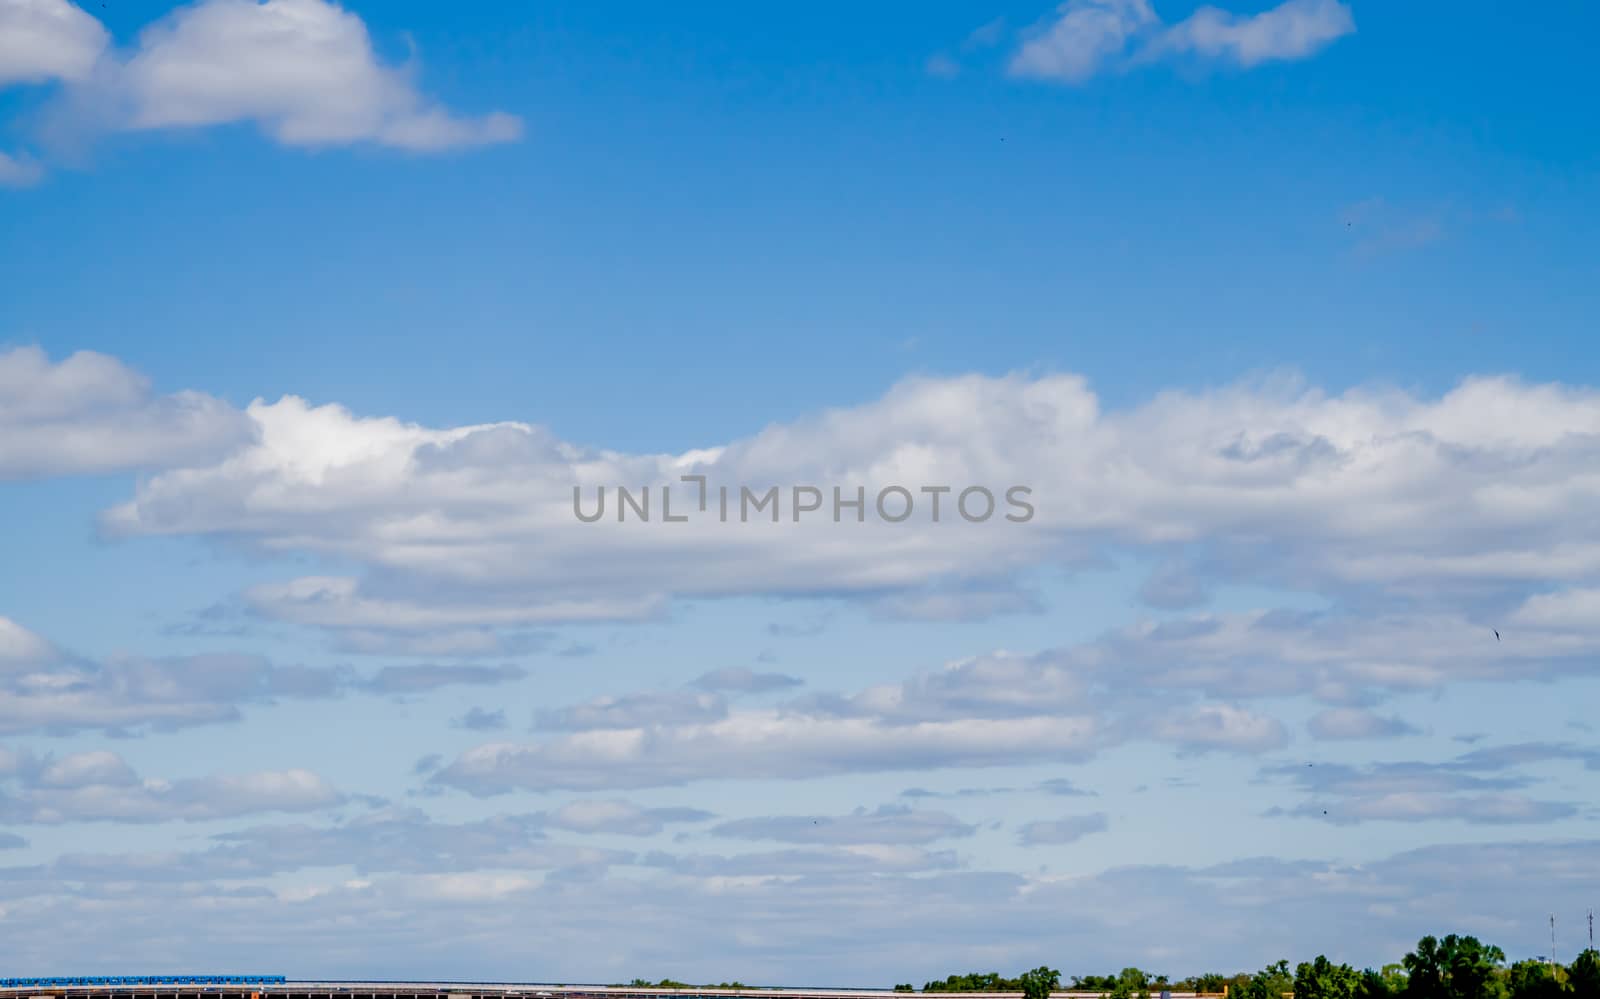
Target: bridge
column 279, row 987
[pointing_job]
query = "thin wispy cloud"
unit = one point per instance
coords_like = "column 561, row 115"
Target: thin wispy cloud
column 1085, row 38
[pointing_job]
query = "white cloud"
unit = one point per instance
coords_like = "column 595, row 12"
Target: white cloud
column 99, row 786
column 1222, row 726
column 1357, row 723
column 68, row 695
column 1087, row 37
column 466, row 529
column 1576, row 609
column 1475, row 788
column 887, row 825
column 1292, row 30
column 21, row 648
column 618, row 817
column 866, row 860
column 16, row 172
column 988, row 711
column 743, row 680
column 1056, row 832
column 1184, row 682
column 635, row 711
column 303, row 70
column 45, row 690
column 824, row 917
column 337, row 602
column 44, row 40
column 90, row 414
column 760, row 745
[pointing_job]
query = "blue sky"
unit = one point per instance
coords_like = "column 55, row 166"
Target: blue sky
column 313, row 316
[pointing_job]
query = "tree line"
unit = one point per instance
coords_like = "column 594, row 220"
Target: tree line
column 1455, row 967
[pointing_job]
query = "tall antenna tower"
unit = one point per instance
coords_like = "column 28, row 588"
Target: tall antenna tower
column 1591, row 929
column 1552, row 940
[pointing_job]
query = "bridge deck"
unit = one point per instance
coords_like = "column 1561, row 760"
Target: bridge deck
column 486, row 990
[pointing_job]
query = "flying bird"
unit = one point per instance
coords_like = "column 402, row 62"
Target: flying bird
column 1496, row 634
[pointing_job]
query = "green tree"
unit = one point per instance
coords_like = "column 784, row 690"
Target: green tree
column 1271, row 982
column 1385, row 984
column 1454, row 968
column 1322, row 979
column 1211, row 982
column 1039, row 983
column 1536, row 980
column 1130, row 983
column 1583, row 976
column 976, row 981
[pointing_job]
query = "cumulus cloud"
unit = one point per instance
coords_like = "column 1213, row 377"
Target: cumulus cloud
column 618, row 817
column 886, row 825
column 1357, row 723
column 384, row 840
column 1083, row 37
column 631, row 711
column 422, row 679
column 90, row 414
column 1054, row 832
column 986, row 711
column 1292, row 30
column 482, row 720
column 100, row 786
column 826, row 862
column 1185, row 682
column 743, row 680
column 1470, row 498
column 19, row 172
column 1173, row 586
column 1222, row 726
column 46, row 690
column 1339, row 657
column 768, row 915
column 21, row 648
column 62, row 694
column 1087, row 37
column 305, row 72
column 1474, row 788
column 1055, row 785
column 44, row 40
column 758, row 745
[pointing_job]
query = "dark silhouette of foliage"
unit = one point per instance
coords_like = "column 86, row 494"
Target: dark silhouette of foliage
column 1583, row 977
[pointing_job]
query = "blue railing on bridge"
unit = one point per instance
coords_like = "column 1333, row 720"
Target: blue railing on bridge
column 68, row 982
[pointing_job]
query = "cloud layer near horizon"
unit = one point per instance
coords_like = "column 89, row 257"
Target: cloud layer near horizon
column 1408, row 518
